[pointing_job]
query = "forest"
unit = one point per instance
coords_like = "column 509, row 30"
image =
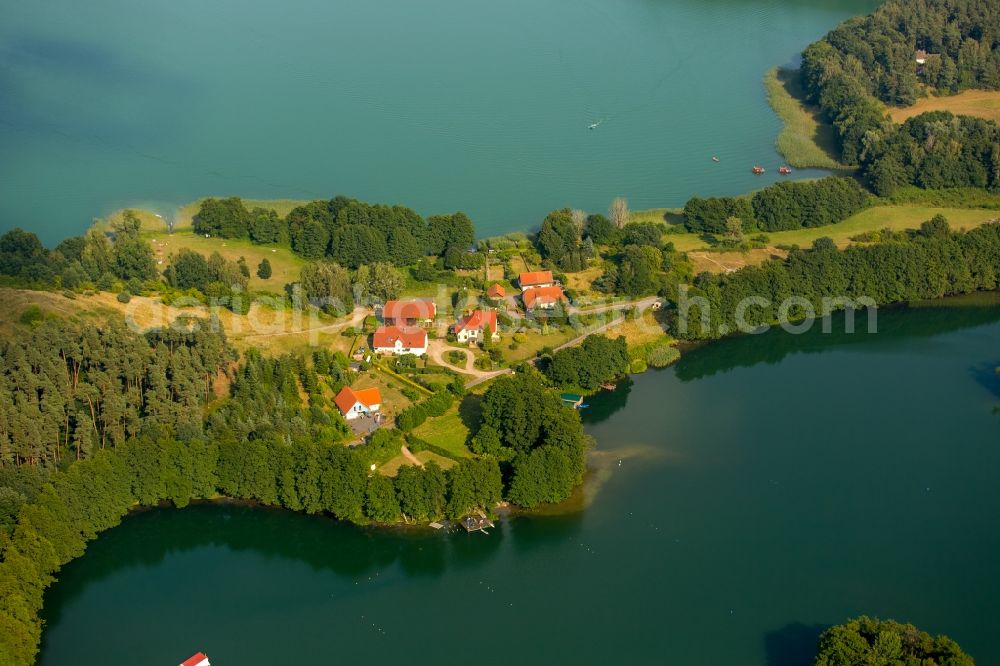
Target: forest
column 866, row 640
column 869, row 62
column 94, row 422
column 350, row 232
column 901, row 266
column 782, row 206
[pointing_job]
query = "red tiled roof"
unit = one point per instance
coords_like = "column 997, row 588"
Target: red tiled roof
column 540, row 295
column 534, row 278
column 409, row 336
column 196, row 660
column 348, row 397
column 477, row 320
column 496, row 291
column 414, row 309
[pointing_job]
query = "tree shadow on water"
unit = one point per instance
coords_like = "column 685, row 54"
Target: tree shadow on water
column 793, row 645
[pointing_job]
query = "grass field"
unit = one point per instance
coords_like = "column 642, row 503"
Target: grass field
column 979, row 103
column 285, row 265
column 276, row 332
column 449, row 432
column 880, row 217
column 805, row 141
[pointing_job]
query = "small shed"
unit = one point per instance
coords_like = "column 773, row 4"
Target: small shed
column 197, row 660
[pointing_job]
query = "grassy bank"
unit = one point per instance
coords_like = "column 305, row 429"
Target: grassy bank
column 978, row 103
column 805, row 140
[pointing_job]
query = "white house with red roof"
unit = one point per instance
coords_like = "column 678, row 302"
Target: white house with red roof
column 400, row 340
column 353, row 403
column 197, row 660
column 543, row 298
column 472, row 327
column 415, row 312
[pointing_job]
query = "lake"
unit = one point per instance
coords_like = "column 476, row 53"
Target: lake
column 441, row 105
column 768, row 487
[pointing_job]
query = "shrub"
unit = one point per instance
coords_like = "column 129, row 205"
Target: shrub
column 437, row 404
column 520, row 338
column 662, row 356
column 124, row 297
column 32, row 315
column 638, row 366
column 411, row 418
column 69, row 294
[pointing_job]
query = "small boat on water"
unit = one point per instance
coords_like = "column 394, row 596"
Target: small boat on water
column 609, row 386
column 715, row 159
column 758, row 170
column 784, row 171
column 595, row 125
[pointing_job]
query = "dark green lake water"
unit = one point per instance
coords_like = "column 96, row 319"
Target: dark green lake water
column 441, row 105
column 769, row 486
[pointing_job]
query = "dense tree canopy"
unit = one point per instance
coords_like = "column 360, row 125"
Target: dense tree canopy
column 886, row 643
column 931, row 263
column 525, row 423
column 785, row 205
column 870, row 60
column 596, row 361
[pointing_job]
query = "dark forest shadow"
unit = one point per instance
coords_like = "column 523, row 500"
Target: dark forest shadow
column 470, row 410
column 793, row 645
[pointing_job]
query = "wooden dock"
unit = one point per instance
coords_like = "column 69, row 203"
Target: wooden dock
column 477, row 524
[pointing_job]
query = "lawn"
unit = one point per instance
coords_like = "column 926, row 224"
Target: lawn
column 285, row 265
column 895, row 217
column 658, row 215
column 449, row 431
column 391, row 467
column 535, row 343
column 805, row 140
column 979, row 103
column 393, row 400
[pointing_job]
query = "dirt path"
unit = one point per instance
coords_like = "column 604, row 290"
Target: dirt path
column 357, row 316
column 437, row 349
column 642, row 304
column 409, row 456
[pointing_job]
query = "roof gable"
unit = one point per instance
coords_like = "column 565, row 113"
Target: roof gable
column 478, row 320
column 348, row 397
column 539, row 295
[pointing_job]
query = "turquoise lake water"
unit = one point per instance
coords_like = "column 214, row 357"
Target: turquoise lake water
column 440, row 105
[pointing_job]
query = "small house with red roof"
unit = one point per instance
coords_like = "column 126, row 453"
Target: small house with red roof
column 535, row 279
column 361, row 402
column 496, row 292
column 197, row 660
column 543, row 298
column 472, row 327
column 400, row 340
column 415, row 312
